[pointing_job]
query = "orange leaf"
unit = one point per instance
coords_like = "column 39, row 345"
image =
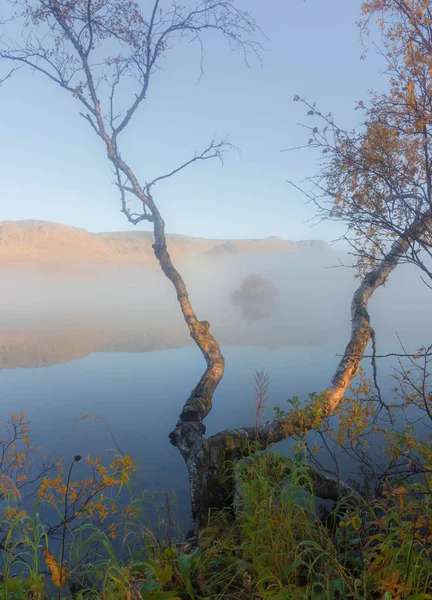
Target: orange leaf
column 58, row 581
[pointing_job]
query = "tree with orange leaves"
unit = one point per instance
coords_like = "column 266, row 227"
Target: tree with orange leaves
column 379, row 179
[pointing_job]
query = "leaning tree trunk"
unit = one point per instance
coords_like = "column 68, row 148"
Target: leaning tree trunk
column 210, row 460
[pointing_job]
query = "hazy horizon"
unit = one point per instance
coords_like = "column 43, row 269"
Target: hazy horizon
column 137, row 308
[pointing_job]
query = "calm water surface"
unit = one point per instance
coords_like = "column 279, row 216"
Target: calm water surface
column 139, row 395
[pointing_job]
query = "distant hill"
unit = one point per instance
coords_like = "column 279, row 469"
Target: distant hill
column 44, row 243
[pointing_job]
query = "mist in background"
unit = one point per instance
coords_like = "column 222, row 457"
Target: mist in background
column 249, row 299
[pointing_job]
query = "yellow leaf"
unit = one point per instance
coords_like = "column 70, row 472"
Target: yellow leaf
column 411, row 97
column 7, row 486
column 54, row 568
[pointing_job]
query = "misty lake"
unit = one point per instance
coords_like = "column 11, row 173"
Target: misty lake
column 112, row 350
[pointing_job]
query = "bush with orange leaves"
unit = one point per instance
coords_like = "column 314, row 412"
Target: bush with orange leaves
column 61, row 503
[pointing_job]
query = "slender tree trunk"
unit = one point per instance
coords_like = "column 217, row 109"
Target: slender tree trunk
column 205, row 462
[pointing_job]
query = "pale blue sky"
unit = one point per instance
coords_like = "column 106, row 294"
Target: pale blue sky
column 53, row 167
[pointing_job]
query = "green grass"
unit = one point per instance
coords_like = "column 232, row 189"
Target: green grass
column 279, row 547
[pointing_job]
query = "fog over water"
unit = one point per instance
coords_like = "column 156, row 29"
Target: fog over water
column 113, row 343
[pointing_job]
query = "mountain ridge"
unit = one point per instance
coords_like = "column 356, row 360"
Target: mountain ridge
column 45, row 242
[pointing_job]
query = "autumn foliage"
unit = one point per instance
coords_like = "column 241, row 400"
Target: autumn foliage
column 377, row 178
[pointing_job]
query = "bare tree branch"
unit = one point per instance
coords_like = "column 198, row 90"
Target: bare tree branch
column 214, row 150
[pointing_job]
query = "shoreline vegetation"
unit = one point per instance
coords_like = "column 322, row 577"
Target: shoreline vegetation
column 82, row 531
